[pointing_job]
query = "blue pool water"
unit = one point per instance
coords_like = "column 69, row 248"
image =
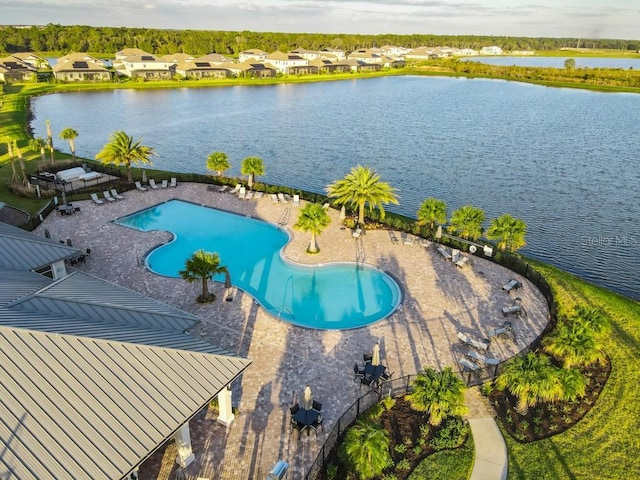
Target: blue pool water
column 334, row 296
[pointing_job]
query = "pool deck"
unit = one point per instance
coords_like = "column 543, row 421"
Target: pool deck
column 440, row 299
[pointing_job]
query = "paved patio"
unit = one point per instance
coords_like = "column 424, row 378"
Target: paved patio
column 439, row 300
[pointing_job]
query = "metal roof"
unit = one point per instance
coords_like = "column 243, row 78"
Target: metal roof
column 73, row 407
column 21, row 250
column 93, row 377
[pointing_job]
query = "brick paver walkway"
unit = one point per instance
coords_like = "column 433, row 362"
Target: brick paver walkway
column 439, row 299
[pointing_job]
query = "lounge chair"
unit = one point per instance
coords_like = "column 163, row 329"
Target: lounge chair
column 468, row 364
column 164, row 183
column 258, row 195
column 281, row 198
column 108, row 197
column 242, row 193
column 116, row 195
column 408, row 239
column 504, row 330
column 444, row 252
column 248, row 195
column 296, row 200
column 174, row 182
column 511, row 310
column 95, row 199
column 356, row 233
column 479, row 344
column 223, row 188
column 462, row 261
column 274, row 198
column 326, row 206
column 393, row 237
column 512, row 284
column 152, row 184
column 480, row 358
column 140, row 187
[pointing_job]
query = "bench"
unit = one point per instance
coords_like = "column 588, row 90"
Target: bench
column 512, row 284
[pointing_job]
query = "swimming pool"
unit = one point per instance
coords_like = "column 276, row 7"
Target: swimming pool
column 330, row 297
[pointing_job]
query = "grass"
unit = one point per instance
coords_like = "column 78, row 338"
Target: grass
column 447, row 464
column 604, row 445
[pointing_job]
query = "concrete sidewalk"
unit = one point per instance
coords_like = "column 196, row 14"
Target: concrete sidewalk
column 491, row 459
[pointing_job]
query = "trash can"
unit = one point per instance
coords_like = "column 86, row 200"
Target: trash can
column 279, row 470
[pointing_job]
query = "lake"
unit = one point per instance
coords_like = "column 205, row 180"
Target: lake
column 558, row 62
column 563, row 160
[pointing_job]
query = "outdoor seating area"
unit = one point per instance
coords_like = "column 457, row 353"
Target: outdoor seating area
column 372, row 373
column 306, row 415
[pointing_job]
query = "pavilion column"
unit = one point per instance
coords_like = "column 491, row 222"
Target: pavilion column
column 225, row 416
column 183, row 443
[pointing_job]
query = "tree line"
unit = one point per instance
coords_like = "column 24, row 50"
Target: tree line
column 108, row 40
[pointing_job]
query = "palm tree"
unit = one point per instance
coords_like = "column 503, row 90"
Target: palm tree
column 70, row 134
column 219, row 162
column 438, row 393
column 466, row 222
column 49, row 139
column 431, row 212
column 38, row 145
column 592, row 318
column 362, row 186
column 202, row 266
column 123, row 151
column 531, row 379
column 16, row 148
column 366, row 449
column 313, row 219
column 575, row 344
column 14, row 175
column 508, row 231
column 252, row 166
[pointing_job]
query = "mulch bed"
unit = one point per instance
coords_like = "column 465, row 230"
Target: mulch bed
column 548, row 419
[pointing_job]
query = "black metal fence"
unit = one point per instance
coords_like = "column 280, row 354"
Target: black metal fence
column 393, row 387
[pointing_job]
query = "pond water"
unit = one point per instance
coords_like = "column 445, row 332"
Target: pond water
column 563, row 160
column 558, row 62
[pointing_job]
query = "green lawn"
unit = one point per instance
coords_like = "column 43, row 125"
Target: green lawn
column 447, row 464
column 605, row 444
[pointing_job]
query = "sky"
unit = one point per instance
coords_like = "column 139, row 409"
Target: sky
column 619, row 19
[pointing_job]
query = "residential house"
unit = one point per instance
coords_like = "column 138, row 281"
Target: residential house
column 251, row 69
column 198, row 69
column 288, row 63
column 255, row 55
column 13, row 70
column 393, row 51
column 145, row 66
column 360, row 66
column 215, row 58
column 421, row 53
column 177, row 57
column 80, row 67
column 95, row 377
column 323, row 65
column 32, row 59
column 129, row 52
column 306, row 54
column 367, row 56
column 493, row 50
column 333, row 52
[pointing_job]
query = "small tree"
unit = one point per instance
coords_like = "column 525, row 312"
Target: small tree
column 38, row 145
column 313, row 219
column 466, row 222
column 509, row 232
column 49, row 140
column 70, row 135
column 432, row 212
column 570, row 63
column 438, row 393
column 203, row 266
column 218, row 161
column 366, row 449
column 252, row 166
column 122, row 150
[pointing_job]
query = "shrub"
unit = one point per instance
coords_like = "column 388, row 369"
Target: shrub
column 332, row 471
column 388, row 402
column 401, row 448
column 403, row 465
column 451, row 435
column 375, row 411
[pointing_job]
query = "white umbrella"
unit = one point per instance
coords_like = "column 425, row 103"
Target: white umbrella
column 375, row 360
column 144, row 176
column 307, row 401
column 343, row 213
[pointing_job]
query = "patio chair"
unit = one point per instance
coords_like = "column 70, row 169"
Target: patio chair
column 69, row 242
column 237, row 188
column 356, row 233
column 316, row 424
column 152, row 184
column 116, row 195
column 174, row 182
column 317, row 406
column 108, row 197
column 274, row 198
column 462, row 261
column 296, row 200
column 294, row 409
column 358, row 371
column 367, row 357
column 164, row 183
column 366, row 381
column 223, row 188
column 393, row 237
column 95, row 199
column 386, row 376
column 468, row 364
column 248, row 195
column 140, row 187
column 281, row 198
